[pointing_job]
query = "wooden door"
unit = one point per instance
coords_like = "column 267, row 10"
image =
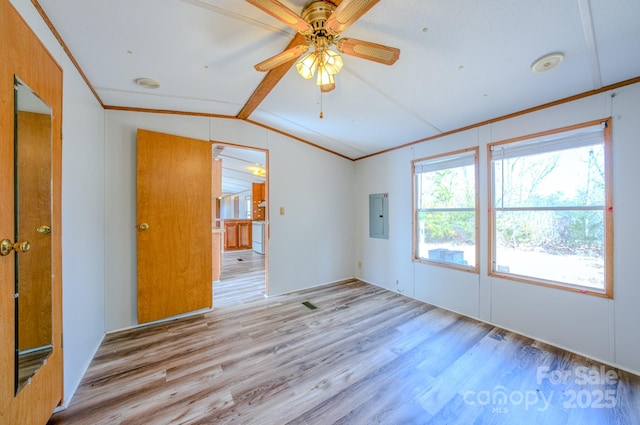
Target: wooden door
column 22, row 55
column 174, row 219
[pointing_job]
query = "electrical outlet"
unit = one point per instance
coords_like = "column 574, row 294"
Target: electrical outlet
column 360, row 264
column 281, row 210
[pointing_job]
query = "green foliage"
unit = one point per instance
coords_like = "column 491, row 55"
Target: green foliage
column 449, row 188
column 448, row 227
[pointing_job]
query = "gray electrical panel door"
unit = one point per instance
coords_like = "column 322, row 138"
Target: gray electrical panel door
column 379, row 215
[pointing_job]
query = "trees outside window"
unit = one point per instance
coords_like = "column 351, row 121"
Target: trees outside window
column 550, row 218
column 445, row 222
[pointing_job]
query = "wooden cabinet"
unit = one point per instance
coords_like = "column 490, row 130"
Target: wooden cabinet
column 258, row 199
column 237, row 235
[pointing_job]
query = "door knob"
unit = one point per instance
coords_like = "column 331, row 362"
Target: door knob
column 43, row 229
column 143, row 226
column 6, row 247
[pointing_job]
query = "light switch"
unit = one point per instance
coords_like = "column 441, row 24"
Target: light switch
column 281, row 210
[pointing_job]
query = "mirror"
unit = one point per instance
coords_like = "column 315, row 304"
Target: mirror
column 33, row 191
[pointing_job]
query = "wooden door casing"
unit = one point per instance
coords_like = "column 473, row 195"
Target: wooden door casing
column 174, row 200
column 216, row 243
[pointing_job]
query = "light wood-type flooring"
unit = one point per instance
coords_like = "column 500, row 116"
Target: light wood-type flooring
column 241, row 280
column 365, row 355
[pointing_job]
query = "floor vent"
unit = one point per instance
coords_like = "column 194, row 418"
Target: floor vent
column 309, row 305
column 498, row 336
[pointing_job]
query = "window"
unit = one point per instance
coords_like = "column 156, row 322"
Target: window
column 247, row 205
column 446, row 203
column 550, row 220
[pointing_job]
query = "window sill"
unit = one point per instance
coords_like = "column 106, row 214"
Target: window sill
column 454, row 266
column 605, row 293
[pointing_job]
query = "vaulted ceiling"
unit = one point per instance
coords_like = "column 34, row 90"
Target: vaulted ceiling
column 462, row 62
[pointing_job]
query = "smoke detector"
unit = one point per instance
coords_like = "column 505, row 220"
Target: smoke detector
column 547, row 62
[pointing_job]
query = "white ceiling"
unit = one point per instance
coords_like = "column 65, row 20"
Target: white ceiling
column 471, row 65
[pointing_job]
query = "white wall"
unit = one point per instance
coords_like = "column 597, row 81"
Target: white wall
column 626, row 314
column 312, row 244
column 83, row 217
column 83, row 224
column 228, row 205
column 599, row 328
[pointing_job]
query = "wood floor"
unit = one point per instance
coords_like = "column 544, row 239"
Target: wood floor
column 364, row 355
column 241, row 280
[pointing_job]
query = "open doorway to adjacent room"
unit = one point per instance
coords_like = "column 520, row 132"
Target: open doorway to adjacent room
column 240, row 224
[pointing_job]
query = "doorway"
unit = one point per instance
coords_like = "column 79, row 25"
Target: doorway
column 240, row 215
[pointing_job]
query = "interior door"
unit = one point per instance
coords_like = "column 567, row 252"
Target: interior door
column 174, row 219
column 25, row 59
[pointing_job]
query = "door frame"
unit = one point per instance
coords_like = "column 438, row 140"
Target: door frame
column 267, row 225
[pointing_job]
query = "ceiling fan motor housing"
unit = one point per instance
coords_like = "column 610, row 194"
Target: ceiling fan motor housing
column 316, row 14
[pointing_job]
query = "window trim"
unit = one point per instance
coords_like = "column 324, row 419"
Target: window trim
column 414, row 219
column 607, row 292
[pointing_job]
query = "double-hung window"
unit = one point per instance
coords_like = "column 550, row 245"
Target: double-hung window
column 551, row 214
column 445, row 212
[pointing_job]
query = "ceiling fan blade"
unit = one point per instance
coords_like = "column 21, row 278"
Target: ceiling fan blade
column 367, row 50
column 347, row 13
column 282, row 57
column 283, row 14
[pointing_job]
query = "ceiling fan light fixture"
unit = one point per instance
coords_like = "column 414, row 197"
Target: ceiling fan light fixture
column 257, row 170
column 322, row 62
column 332, row 61
column 307, row 65
column 321, row 23
column 327, row 88
column 324, row 77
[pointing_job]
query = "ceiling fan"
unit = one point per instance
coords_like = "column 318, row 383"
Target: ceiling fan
column 321, row 24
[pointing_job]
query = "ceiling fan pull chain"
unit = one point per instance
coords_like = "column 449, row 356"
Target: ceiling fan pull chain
column 321, row 115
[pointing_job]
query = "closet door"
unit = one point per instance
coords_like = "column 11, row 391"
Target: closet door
column 30, row 225
column 174, row 220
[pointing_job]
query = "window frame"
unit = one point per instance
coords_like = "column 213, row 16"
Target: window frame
column 415, row 211
column 607, row 291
